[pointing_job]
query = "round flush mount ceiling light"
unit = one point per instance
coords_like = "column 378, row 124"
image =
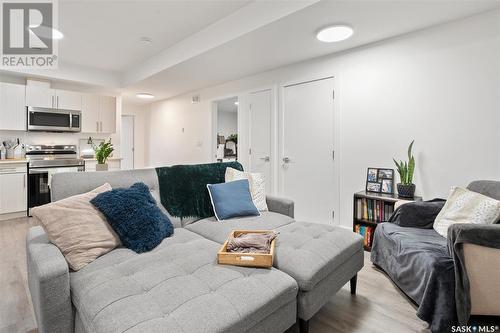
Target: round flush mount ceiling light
column 334, row 33
column 145, row 95
column 236, row 103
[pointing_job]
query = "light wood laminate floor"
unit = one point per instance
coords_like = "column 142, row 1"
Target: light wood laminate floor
column 378, row 305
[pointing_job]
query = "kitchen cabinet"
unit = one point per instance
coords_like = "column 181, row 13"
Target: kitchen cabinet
column 45, row 97
column 13, row 188
column 12, row 108
column 107, row 109
column 40, row 96
column 90, row 113
column 98, row 114
column 68, row 100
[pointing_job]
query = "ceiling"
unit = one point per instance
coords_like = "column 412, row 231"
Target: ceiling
column 106, row 34
column 196, row 44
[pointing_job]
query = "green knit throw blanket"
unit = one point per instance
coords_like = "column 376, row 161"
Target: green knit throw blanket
column 183, row 188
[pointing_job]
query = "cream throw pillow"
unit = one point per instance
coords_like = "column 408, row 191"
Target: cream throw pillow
column 257, row 185
column 77, row 228
column 464, row 206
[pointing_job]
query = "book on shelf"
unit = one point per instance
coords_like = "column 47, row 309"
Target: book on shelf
column 373, row 210
column 365, row 208
column 366, row 232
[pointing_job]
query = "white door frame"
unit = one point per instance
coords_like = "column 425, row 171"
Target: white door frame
column 336, row 137
column 133, row 136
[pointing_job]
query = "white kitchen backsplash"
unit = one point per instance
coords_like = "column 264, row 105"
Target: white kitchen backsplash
column 47, row 138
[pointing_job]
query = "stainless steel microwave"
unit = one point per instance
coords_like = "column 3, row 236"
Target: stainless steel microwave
column 53, row 120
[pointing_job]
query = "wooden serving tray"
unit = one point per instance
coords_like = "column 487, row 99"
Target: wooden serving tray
column 246, row 259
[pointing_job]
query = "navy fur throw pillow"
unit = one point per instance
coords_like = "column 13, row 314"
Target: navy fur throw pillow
column 133, row 214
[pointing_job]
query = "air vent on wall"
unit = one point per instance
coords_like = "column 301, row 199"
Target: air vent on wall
column 195, row 99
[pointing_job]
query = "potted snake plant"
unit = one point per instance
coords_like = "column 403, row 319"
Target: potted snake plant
column 406, row 188
column 102, row 153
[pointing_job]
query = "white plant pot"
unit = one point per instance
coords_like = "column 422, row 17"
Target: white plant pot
column 101, row 167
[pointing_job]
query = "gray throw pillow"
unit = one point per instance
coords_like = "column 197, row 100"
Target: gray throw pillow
column 417, row 214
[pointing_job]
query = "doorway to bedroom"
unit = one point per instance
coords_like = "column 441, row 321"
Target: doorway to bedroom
column 226, row 129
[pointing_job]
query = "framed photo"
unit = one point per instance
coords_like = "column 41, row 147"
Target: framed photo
column 373, row 187
column 387, row 186
column 385, row 174
column 380, row 180
column 372, row 175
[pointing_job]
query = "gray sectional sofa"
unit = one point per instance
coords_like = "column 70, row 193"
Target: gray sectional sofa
column 178, row 286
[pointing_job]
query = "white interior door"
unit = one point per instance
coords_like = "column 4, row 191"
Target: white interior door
column 260, row 115
column 127, row 143
column 306, row 149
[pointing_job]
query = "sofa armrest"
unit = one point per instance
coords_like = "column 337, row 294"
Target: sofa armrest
column 48, row 281
column 467, row 241
column 482, row 264
column 280, row 205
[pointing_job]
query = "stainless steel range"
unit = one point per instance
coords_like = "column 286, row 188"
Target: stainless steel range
column 43, row 162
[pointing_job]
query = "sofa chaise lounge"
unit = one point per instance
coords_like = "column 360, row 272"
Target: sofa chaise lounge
column 178, row 286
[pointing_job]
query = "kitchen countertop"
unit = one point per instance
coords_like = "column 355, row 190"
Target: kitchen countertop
column 109, row 159
column 14, row 161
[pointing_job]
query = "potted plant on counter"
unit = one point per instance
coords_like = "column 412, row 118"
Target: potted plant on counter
column 102, row 153
column 406, row 188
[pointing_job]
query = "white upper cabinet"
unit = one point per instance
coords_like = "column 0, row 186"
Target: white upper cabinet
column 12, row 108
column 98, row 114
column 90, row 113
column 107, row 109
column 40, row 96
column 44, row 97
column 68, row 100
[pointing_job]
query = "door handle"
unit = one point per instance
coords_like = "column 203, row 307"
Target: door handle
column 97, row 126
column 265, row 158
column 286, row 159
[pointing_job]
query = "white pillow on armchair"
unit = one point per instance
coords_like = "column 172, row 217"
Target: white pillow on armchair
column 464, row 206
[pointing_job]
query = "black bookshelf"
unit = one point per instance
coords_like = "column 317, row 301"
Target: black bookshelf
column 371, row 209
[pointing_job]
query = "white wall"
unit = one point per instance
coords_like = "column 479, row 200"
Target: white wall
column 227, row 123
column 141, row 131
column 439, row 86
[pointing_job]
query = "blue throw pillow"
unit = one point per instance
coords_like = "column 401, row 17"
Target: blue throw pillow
column 133, row 214
column 232, row 199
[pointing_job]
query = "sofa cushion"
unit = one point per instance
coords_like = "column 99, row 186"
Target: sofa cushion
column 177, row 287
column 309, row 252
column 77, row 228
column 134, row 215
column 219, row 231
column 465, row 206
column 232, row 199
column 257, row 185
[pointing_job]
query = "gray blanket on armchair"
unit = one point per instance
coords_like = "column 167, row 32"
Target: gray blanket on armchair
column 416, row 258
